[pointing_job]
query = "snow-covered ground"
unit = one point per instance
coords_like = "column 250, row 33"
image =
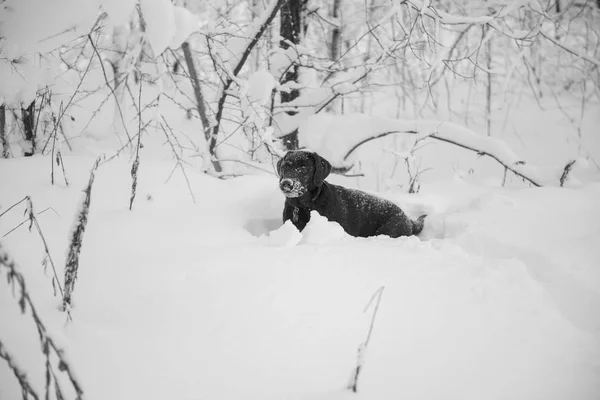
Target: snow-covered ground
column 498, row 299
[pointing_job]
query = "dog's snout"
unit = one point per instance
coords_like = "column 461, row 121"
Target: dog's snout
column 286, row 185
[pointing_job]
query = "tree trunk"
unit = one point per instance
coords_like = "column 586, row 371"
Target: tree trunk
column 200, row 104
column 3, row 138
column 28, row 116
column 291, row 33
column 336, row 34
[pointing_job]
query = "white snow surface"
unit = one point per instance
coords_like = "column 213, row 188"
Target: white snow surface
column 159, row 16
column 499, row 298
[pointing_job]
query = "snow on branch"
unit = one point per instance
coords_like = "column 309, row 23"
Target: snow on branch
column 237, row 63
column 72, row 262
column 358, row 130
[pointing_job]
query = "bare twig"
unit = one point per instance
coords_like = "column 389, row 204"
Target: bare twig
column 15, row 278
column 353, row 384
column 566, row 171
column 26, row 220
column 19, row 374
column 33, row 221
column 13, row 206
column 571, row 50
column 177, row 157
column 236, row 70
column 112, row 91
column 136, row 162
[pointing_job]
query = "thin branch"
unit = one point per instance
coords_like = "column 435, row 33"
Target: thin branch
column 353, row 385
column 20, row 375
column 236, row 70
column 16, row 278
column 112, row 91
column 512, row 167
column 571, row 50
column 177, row 157
column 72, row 262
column 14, row 205
column 34, row 221
column 136, row 162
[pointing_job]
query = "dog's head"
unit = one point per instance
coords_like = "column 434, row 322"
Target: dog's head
column 301, row 171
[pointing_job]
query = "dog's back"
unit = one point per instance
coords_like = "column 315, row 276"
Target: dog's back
column 362, row 214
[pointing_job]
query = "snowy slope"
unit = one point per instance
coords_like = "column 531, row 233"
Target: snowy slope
column 499, row 298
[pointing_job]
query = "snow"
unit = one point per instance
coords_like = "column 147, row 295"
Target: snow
column 34, row 26
column 119, row 11
column 255, row 94
column 237, row 45
column 498, row 298
column 186, row 23
column 161, row 27
column 31, row 27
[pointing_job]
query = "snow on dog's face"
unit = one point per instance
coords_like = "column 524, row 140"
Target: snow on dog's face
column 301, row 171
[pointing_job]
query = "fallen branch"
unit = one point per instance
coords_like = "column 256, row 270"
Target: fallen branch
column 462, row 137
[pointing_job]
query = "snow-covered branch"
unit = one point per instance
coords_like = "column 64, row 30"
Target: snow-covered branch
column 237, row 64
column 368, row 129
column 72, row 262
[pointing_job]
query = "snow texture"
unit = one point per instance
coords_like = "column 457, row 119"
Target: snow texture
column 186, row 23
column 119, row 11
column 159, row 16
column 498, row 298
column 33, row 27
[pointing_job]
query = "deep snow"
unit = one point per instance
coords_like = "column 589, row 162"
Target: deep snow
column 499, row 298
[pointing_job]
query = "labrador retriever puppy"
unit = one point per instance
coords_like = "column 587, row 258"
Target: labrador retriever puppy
column 302, row 180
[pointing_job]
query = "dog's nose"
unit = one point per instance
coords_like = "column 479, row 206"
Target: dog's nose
column 286, row 185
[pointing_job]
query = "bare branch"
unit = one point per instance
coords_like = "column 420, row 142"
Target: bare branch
column 571, row 50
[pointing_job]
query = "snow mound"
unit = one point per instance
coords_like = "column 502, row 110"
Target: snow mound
column 287, row 235
column 320, row 230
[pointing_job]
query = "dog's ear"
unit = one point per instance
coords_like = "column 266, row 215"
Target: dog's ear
column 322, row 169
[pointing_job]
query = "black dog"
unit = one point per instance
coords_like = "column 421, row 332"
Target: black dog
column 302, row 180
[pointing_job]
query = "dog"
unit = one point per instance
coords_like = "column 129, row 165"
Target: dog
column 302, row 180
